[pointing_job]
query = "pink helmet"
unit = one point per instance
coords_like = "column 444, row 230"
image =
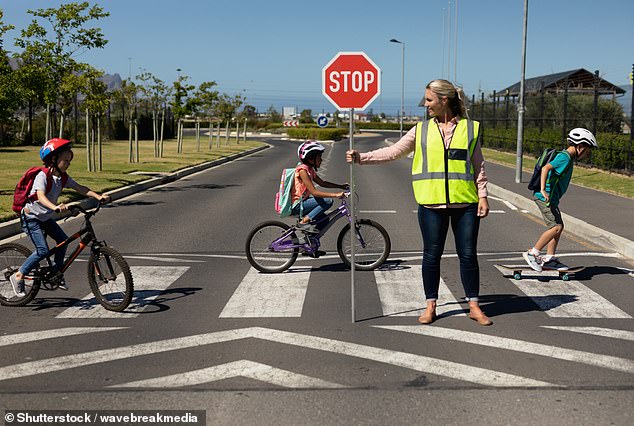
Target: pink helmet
column 307, row 147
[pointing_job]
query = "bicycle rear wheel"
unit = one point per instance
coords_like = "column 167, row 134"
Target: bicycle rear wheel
column 12, row 256
column 373, row 254
column 261, row 252
column 110, row 279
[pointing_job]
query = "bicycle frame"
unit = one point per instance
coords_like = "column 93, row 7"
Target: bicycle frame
column 281, row 244
column 86, row 236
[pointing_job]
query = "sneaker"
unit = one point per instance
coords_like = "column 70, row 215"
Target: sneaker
column 62, row 284
column 533, row 261
column 18, row 286
column 554, row 264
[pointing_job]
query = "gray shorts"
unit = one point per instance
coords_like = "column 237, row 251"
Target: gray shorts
column 551, row 214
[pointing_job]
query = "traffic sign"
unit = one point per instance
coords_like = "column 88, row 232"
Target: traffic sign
column 322, row 121
column 351, row 80
column 291, row 123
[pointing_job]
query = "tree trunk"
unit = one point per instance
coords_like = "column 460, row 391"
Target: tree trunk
column 130, row 146
column 197, row 136
column 227, row 130
column 218, row 136
column 61, row 124
column 99, row 147
column 210, row 133
column 88, row 156
column 136, row 139
column 162, row 129
column 48, row 122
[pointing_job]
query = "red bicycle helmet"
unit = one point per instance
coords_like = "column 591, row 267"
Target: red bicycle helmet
column 52, row 146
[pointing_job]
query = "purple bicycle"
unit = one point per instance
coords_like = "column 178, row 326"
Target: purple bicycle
column 273, row 246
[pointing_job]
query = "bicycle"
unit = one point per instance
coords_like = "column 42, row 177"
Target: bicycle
column 273, row 246
column 109, row 275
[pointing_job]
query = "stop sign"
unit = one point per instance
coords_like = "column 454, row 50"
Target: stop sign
column 351, row 80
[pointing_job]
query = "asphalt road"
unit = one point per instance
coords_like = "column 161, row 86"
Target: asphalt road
column 205, row 332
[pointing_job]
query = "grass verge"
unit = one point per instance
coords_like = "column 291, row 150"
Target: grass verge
column 612, row 183
column 117, row 171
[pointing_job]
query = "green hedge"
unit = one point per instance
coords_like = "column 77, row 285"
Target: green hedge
column 384, row 126
column 613, row 153
column 316, row 133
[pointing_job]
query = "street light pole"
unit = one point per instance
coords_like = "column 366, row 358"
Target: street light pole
column 520, row 109
column 402, row 82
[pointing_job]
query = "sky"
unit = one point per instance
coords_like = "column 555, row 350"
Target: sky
column 272, row 52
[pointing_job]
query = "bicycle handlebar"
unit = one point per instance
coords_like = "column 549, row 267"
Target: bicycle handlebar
column 76, row 209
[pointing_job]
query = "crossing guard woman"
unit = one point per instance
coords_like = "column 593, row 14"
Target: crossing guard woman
column 449, row 185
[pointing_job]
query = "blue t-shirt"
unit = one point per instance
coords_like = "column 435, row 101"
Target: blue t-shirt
column 558, row 178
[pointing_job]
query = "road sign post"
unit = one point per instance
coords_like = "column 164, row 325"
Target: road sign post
column 351, row 81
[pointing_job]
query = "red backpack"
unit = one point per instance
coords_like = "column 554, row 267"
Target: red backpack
column 25, row 184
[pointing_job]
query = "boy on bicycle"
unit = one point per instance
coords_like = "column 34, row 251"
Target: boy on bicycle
column 308, row 201
column 36, row 216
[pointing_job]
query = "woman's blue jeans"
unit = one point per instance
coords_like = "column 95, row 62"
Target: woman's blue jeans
column 434, row 226
column 37, row 231
column 314, row 207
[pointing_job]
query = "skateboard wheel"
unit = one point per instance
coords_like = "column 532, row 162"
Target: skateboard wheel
column 565, row 277
column 517, row 275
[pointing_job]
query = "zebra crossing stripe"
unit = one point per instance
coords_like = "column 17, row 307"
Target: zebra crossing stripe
column 401, row 293
column 414, row 362
column 597, row 331
column 35, row 336
column 269, row 295
column 242, row 368
column 567, row 299
column 149, row 283
column 588, row 358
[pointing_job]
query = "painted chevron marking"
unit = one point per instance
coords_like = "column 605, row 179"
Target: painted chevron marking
column 34, row 336
column 401, row 359
column 588, row 358
column 269, row 295
column 597, row 331
column 243, row 368
column 567, row 299
column 149, row 283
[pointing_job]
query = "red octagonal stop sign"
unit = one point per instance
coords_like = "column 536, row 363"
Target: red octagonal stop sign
column 351, row 80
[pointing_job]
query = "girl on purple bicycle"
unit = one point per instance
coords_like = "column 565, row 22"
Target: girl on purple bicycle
column 309, row 203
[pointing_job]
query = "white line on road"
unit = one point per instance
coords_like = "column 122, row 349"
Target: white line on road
column 401, row 293
column 508, row 203
column 567, row 299
column 377, row 211
column 34, row 336
column 597, row 331
column 243, row 368
column 588, row 358
column 269, row 295
column 414, row 362
column 149, row 283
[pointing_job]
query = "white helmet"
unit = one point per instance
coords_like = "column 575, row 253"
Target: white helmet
column 581, row 135
column 307, row 147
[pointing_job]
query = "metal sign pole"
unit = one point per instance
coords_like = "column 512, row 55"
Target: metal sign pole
column 353, row 227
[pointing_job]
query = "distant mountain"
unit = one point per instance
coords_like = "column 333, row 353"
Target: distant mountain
column 112, row 81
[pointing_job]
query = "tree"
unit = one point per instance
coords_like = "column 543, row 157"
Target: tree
column 226, row 110
column 96, row 103
column 306, row 116
column 155, row 94
column 275, row 116
column 54, row 53
column 207, row 98
column 181, row 106
column 127, row 94
column 10, row 95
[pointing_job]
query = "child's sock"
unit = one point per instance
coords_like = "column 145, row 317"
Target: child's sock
column 547, row 257
column 534, row 251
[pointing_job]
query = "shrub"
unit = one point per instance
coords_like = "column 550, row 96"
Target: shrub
column 316, row 133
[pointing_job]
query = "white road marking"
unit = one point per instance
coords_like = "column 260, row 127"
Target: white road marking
column 567, row 299
column 243, row 368
column 34, row 336
column 149, row 283
column 497, row 211
column 377, row 211
column 401, row 359
column 401, row 293
column 588, row 358
column 163, row 259
column 597, row 331
column 508, row 203
column 269, row 295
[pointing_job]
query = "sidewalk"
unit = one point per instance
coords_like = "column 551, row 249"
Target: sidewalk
column 605, row 219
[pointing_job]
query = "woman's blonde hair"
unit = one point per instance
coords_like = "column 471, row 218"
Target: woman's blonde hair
column 454, row 95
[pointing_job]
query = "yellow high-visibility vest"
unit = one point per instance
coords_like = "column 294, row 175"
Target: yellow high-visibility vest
column 445, row 176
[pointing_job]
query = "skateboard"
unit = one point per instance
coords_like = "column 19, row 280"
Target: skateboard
column 518, row 269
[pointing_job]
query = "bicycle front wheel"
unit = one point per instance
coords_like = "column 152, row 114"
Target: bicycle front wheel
column 266, row 252
column 12, row 256
column 372, row 245
column 110, row 279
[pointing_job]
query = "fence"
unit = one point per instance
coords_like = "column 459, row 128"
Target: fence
column 548, row 118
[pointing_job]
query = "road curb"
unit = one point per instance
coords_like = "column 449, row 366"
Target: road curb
column 574, row 226
column 12, row 227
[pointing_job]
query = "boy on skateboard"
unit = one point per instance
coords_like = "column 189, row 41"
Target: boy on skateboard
column 555, row 178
